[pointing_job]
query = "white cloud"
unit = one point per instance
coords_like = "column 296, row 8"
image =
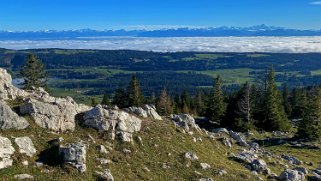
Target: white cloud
column 202, row 44
column 315, row 3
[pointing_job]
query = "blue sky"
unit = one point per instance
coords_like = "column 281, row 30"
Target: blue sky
column 107, row 14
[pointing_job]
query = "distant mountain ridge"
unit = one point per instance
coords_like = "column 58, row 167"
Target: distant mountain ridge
column 259, row 30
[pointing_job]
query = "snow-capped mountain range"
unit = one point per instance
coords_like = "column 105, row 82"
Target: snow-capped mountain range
column 259, row 30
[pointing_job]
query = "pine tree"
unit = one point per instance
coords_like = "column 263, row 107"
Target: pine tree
column 310, row 126
column 275, row 117
column 164, row 103
column 33, row 73
column 106, row 100
column 120, row 98
column 286, row 100
column 215, row 105
column 135, row 96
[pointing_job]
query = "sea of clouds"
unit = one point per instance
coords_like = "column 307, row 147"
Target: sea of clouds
column 200, row 44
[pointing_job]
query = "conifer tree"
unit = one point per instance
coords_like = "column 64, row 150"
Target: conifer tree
column 199, row 103
column 299, row 101
column 106, row 100
column 286, row 100
column 33, row 73
column 120, row 98
column 275, row 117
column 93, row 102
column 310, row 126
column 164, row 103
column 135, row 96
column 215, row 105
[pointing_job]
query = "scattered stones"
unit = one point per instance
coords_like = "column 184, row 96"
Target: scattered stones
column 23, row 177
column 165, row 166
column 26, row 146
column 254, row 147
column 6, row 150
column 205, row 166
column 221, row 172
column 127, row 151
column 291, row 175
column 75, row 155
column 118, row 122
column 105, row 175
column 103, row 161
column 291, row 160
column 10, row 120
column 191, row 156
column 240, row 139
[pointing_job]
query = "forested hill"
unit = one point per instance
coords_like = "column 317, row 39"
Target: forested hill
column 101, row 71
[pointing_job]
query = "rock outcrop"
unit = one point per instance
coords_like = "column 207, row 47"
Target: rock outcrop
column 186, row 121
column 147, row 111
column 75, row 155
column 6, row 150
column 25, row 146
column 7, row 90
column 9, row 119
column 291, row 175
column 239, row 138
column 117, row 122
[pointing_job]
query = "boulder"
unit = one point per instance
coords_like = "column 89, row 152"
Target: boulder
column 302, row 169
column 260, row 166
column 191, row 156
column 245, row 157
column 205, row 166
column 118, row 122
column 105, row 175
column 101, row 149
column 23, row 177
column 239, row 138
column 56, row 114
column 75, row 155
column 291, row 175
column 144, row 112
column 151, row 112
column 6, row 150
column 254, row 147
column 292, row 160
column 138, row 111
column 185, row 121
column 7, row 90
column 10, row 120
column 25, row 146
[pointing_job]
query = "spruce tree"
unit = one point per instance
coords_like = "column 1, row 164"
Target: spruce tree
column 275, row 117
column 106, row 100
column 135, row 96
column 215, row 105
column 164, row 103
column 120, row 98
column 286, row 100
column 310, row 126
column 33, row 73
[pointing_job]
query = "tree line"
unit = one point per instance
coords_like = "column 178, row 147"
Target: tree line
column 260, row 105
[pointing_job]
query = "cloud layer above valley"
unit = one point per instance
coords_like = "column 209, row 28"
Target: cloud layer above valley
column 201, row 44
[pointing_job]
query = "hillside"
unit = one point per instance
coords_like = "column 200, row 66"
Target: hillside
column 51, row 138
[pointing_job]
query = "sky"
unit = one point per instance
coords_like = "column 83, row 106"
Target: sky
column 30, row 15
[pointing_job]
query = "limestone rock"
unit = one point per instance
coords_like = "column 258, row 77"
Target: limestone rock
column 221, row 130
column 191, row 156
column 23, row 177
column 101, row 149
column 6, row 150
column 260, row 166
column 144, row 112
column 291, row 175
column 227, row 142
column 56, row 114
column 291, row 160
column 75, row 155
column 9, row 119
column 205, row 179
column 205, row 166
column 245, row 157
column 185, row 121
column 26, row 146
column 105, row 175
column 7, row 90
column 239, row 138
column 118, row 122
column 302, row 169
